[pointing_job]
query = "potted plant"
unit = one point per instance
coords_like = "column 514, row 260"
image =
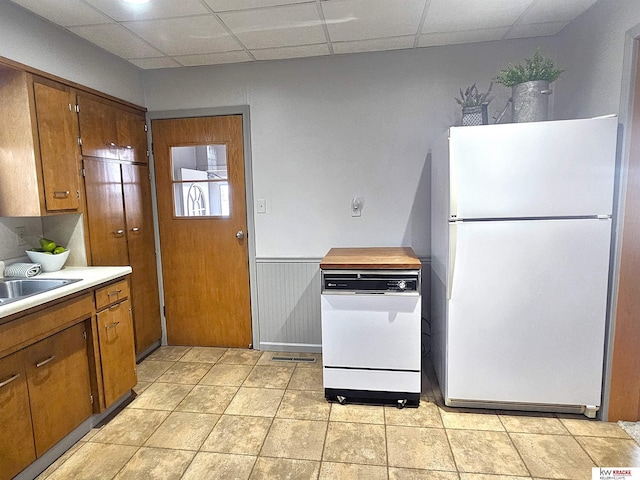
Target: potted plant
column 474, row 105
column 530, row 87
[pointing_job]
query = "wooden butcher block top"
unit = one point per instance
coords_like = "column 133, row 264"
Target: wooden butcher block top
column 379, row 258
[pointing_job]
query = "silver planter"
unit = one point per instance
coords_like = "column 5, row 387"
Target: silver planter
column 530, row 101
column 474, row 115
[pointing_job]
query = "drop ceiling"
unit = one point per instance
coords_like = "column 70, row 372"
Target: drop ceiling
column 175, row 33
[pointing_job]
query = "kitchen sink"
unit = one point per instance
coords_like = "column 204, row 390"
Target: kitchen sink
column 13, row 289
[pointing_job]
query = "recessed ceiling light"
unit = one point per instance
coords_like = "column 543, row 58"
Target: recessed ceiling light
column 136, row 1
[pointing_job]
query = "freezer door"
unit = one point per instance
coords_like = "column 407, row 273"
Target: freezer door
column 527, row 311
column 538, row 169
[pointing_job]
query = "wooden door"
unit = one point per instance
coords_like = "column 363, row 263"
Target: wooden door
column 204, row 258
column 17, row 449
column 97, row 128
column 142, row 255
column 59, row 386
column 105, row 213
column 59, row 151
column 132, row 137
column 115, row 333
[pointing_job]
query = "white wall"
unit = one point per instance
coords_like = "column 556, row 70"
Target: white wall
column 32, row 41
column 591, row 49
column 326, row 129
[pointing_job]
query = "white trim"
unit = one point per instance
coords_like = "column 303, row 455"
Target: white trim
column 291, row 347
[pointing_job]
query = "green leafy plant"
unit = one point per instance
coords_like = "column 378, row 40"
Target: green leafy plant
column 471, row 97
column 537, row 67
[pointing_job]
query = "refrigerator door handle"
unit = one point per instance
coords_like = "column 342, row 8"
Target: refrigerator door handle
column 453, row 186
column 453, row 242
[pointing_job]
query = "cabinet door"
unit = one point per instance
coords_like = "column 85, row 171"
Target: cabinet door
column 17, row 449
column 59, row 385
column 132, row 137
column 59, row 151
column 142, row 255
column 105, row 213
column 97, row 128
column 115, row 334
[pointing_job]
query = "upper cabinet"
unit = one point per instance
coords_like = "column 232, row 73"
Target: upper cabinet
column 40, row 156
column 108, row 130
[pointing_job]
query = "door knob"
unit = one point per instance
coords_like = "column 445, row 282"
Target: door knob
column 240, row 235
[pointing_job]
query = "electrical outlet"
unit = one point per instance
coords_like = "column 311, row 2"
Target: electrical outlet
column 20, row 233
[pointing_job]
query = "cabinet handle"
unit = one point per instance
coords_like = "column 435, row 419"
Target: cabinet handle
column 119, row 232
column 44, row 362
column 135, row 229
column 9, row 380
column 61, row 193
column 113, row 325
column 115, row 292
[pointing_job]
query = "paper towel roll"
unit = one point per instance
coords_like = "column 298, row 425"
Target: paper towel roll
column 22, row 270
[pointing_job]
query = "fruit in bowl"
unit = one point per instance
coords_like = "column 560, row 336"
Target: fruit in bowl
column 52, row 257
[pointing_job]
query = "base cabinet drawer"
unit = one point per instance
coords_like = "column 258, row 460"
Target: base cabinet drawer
column 17, row 448
column 117, row 351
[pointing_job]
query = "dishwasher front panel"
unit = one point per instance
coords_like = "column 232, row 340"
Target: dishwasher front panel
column 371, row 331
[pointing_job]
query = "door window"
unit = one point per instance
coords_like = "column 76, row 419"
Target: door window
column 200, row 181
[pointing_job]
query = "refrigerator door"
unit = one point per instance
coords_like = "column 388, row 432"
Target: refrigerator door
column 538, row 169
column 527, row 311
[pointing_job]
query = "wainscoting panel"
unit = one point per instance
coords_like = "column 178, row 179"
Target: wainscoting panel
column 289, row 304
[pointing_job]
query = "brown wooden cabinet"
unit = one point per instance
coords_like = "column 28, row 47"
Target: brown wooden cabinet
column 17, row 447
column 120, row 226
column 59, row 385
column 39, row 158
column 111, row 131
column 115, row 333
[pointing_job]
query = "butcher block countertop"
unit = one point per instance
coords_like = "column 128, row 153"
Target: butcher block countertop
column 379, row 258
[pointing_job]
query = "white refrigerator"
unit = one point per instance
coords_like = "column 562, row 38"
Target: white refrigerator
column 520, row 238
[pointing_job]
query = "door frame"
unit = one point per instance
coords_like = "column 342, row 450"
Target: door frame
column 630, row 65
column 248, row 175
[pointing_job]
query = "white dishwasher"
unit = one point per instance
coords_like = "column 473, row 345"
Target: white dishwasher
column 371, row 321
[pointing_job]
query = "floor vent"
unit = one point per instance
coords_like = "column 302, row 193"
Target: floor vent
column 293, row 359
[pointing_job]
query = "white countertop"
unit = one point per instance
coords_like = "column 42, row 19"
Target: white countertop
column 90, row 277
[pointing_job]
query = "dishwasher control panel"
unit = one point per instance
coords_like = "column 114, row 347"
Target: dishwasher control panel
column 371, row 281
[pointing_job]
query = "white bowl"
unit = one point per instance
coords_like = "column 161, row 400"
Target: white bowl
column 49, row 262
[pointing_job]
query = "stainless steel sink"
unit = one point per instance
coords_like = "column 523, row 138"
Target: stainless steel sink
column 13, row 289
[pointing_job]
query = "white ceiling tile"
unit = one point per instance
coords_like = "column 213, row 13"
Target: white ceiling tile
column 536, row 30
column 122, row 11
column 543, row 11
column 366, row 19
column 469, row 36
column 460, row 15
column 150, row 63
column 291, row 52
column 186, row 36
column 67, row 13
column 213, row 58
column 378, row 44
column 228, row 5
column 117, row 40
column 276, row 27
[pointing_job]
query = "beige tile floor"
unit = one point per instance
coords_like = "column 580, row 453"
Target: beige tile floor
column 212, row 413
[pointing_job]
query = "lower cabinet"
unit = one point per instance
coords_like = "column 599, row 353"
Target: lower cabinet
column 17, row 448
column 115, row 334
column 45, row 392
column 59, row 385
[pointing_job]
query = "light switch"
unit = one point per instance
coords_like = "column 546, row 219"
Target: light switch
column 261, row 205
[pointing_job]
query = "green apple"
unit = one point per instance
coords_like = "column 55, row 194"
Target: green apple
column 47, row 245
column 58, row 250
